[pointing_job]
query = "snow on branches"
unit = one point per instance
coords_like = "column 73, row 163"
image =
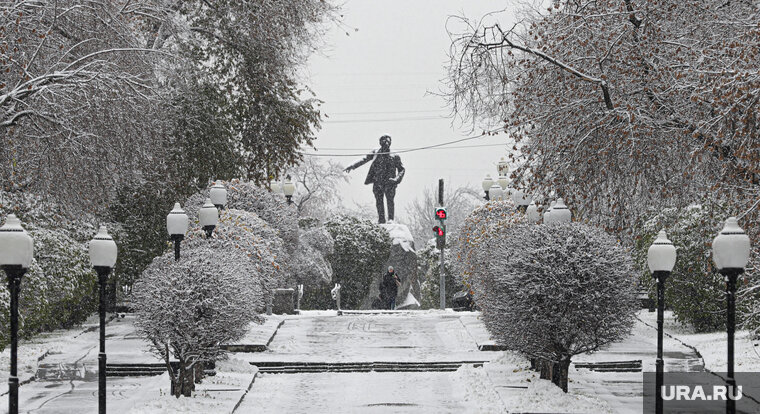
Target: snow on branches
column 244, row 231
column 186, row 309
column 476, row 229
column 554, row 291
column 621, row 105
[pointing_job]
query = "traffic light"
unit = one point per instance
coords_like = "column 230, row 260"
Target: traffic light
column 440, row 213
column 440, row 236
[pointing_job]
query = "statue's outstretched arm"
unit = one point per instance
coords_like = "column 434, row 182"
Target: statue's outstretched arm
column 361, row 162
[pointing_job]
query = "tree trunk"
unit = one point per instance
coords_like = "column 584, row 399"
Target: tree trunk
column 564, row 368
column 198, row 371
column 182, row 382
column 546, row 369
column 556, row 373
column 178, row 379
column 187, row 384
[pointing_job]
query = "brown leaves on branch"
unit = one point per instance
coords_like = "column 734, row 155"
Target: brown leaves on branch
column 628, row 106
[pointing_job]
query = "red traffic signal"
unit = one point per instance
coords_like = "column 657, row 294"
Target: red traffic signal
column 440, row 213
column 438, row 230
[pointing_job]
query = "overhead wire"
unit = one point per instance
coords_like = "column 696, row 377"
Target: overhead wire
column 485, row 133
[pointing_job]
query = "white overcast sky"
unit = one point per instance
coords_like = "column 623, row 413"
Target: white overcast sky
column 375, row 82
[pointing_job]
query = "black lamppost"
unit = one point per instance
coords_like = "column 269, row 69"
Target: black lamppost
column 288, row 188
column 209, row 216
column 730, row 251
column 177, row 224
column 487, row 184
column 661, row 258
column 103, row 258
column 16, row 252
column 218, row 195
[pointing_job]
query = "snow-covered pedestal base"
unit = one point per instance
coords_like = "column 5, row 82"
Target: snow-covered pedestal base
column 403, row 258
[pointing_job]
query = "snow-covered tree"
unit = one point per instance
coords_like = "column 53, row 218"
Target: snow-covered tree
column 59, row 290
column 187, row 308
column 621, row 105
column 361, row 249
column 459, row 202
column 476, row 229
column 554, row 291
column 694, row 291
column 429, row 264
column 317, row 185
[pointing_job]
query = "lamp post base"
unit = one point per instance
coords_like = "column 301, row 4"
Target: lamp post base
column 660, row 276
column 177, row 239
column 14, row 273
column 209, row 231
column 731, row 275
column 103, row 272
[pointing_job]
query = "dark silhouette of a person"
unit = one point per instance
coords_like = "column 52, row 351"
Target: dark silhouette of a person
column 385, row 173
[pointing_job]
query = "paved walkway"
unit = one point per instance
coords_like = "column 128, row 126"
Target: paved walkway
column 402, row 337
column 378, row 340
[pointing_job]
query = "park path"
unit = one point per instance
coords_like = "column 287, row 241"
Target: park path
column 413, row 337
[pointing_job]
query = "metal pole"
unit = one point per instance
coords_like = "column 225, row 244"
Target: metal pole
column 177, row 238
column 103, row 272
column 442, row 280
column 660, row 276
column 14, row 274
column 731, row 275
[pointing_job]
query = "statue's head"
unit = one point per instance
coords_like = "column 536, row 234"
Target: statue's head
column 385, row 142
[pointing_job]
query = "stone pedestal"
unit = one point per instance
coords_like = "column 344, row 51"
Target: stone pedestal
column 403, row 258
column 283, row 302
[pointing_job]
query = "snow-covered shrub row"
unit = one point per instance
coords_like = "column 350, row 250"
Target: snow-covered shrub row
column 361, row 248
column 246, row 232
column 270, row 207
column 59, row 290
column 476, row 229
column 186, row 309
column 554, row 291
column 694, row 291
column 311, row 267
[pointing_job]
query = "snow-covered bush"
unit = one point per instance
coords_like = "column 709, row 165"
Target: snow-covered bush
column 245, row 232
column 187, row 308
column 694, row 291
column 311, row 267
column 554, row 291
column 270, row 207
column 429, row 263
column 477, row 228
column 361, row 248
column 59, row 290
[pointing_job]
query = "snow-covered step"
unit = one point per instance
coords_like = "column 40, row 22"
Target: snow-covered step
column 315, row 367
column 611, row 366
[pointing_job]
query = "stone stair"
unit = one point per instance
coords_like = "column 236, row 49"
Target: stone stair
column 134, row 370
column 316, row 367
column 614, row 366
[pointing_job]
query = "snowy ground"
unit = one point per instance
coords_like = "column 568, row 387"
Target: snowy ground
column 503, row 384
column 713, row 345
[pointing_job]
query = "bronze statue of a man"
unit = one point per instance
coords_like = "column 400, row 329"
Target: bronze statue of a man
column 384, row 174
